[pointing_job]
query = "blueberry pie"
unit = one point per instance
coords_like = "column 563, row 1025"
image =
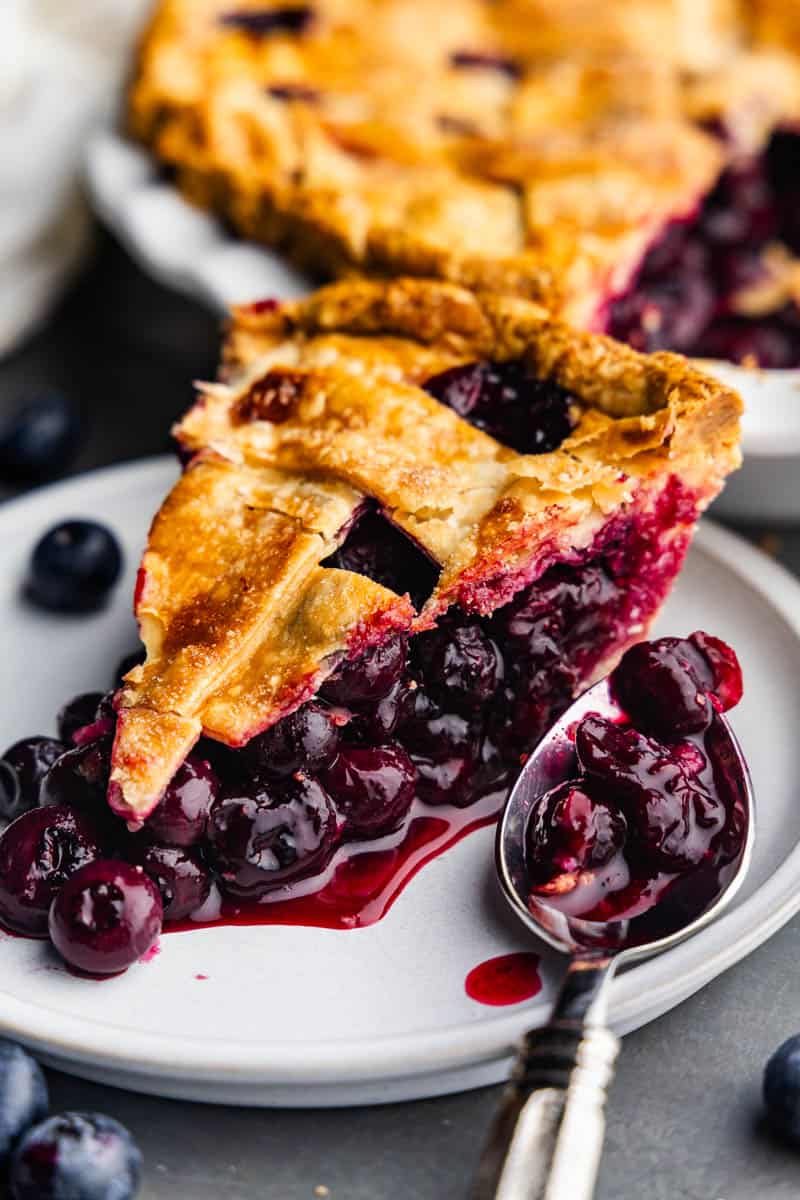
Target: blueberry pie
column 635, row 165
column 413, row 522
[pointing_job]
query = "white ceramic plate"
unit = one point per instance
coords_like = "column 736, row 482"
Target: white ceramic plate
column 298, row 1016
column 188, row 249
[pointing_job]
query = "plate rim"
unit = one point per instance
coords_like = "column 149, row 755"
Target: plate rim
column 297, row 1064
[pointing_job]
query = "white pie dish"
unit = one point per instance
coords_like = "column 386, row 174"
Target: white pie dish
column 187, row 249
column 302, row 1017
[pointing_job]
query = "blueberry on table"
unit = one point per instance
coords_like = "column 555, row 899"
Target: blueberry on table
column 782, row 1089
column 74, row 567
column 76, row 1156
column 23, row 1095
column 39, row 438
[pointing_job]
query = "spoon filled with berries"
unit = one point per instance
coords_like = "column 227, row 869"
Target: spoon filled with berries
column 630, row 828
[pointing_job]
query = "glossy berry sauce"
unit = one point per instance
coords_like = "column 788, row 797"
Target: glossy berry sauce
column 687, row 294
column 324, row 818
column 506, row 979
column 656, row 814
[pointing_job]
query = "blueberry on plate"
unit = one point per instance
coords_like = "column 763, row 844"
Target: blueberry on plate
column 39, row 438
column 32, row 758
column 23, row 1095
column 77, row 714
column 782, row 1089
column 74, row 567
column 76, row 1156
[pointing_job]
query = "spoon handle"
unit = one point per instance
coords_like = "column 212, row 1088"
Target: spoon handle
column 546, row 1140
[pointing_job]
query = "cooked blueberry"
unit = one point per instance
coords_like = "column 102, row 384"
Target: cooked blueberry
column 377, row 722
column 76, row 1156
column 306, row 740
column 660, row 686
column 672, row 813
column 105, row 917
column 449, row 781
column 79, row 779
column 77, row 714
column 570, row 831
column 268, row 836
column 782, row 1089
column 461, row 665
column 32, row 758
column 372, row 787
column 182, row 816
column 294, row 18
column 378, row 549
column 530, row 415
column 178, row 872
column 23, row 1096
column 368, row 677
column 127, row 664
column 74, row 567
column 427, row 730
column 39, row 852
column 40, row 438
column 725, row 684
column 11, row 802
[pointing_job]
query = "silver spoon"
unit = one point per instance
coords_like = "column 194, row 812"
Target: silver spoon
column 547, row 1137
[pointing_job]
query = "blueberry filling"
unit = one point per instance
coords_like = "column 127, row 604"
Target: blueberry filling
column 472, row 59
column 655, row 809
column 530, row 415
column 705, row 288
column 260, row 22
column 376, row 548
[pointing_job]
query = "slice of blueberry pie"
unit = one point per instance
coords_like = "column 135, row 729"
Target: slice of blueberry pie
column 634, row 165
column 413, row 522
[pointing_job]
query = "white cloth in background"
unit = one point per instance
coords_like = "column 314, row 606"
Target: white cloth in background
column 61, row 66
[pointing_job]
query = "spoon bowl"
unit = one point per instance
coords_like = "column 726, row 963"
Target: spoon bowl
column 553, row 761
column 547, row 1138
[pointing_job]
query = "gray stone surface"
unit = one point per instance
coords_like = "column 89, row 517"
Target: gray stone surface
column 684, row 1115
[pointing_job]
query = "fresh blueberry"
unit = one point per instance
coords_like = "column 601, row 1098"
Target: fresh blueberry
column 76, row 1156
column 23, row 1095
column 11, row 802
column 32, row 758
column 782, row 1089
column 106, row 916
column 77, row 714
column 73, row 567
column 40, row 438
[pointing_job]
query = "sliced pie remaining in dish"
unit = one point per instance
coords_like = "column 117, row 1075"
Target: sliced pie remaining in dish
column 614, row 162
column 413, row 523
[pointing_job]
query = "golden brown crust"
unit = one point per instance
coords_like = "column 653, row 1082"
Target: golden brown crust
column 321, row 408
column 519, row 146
